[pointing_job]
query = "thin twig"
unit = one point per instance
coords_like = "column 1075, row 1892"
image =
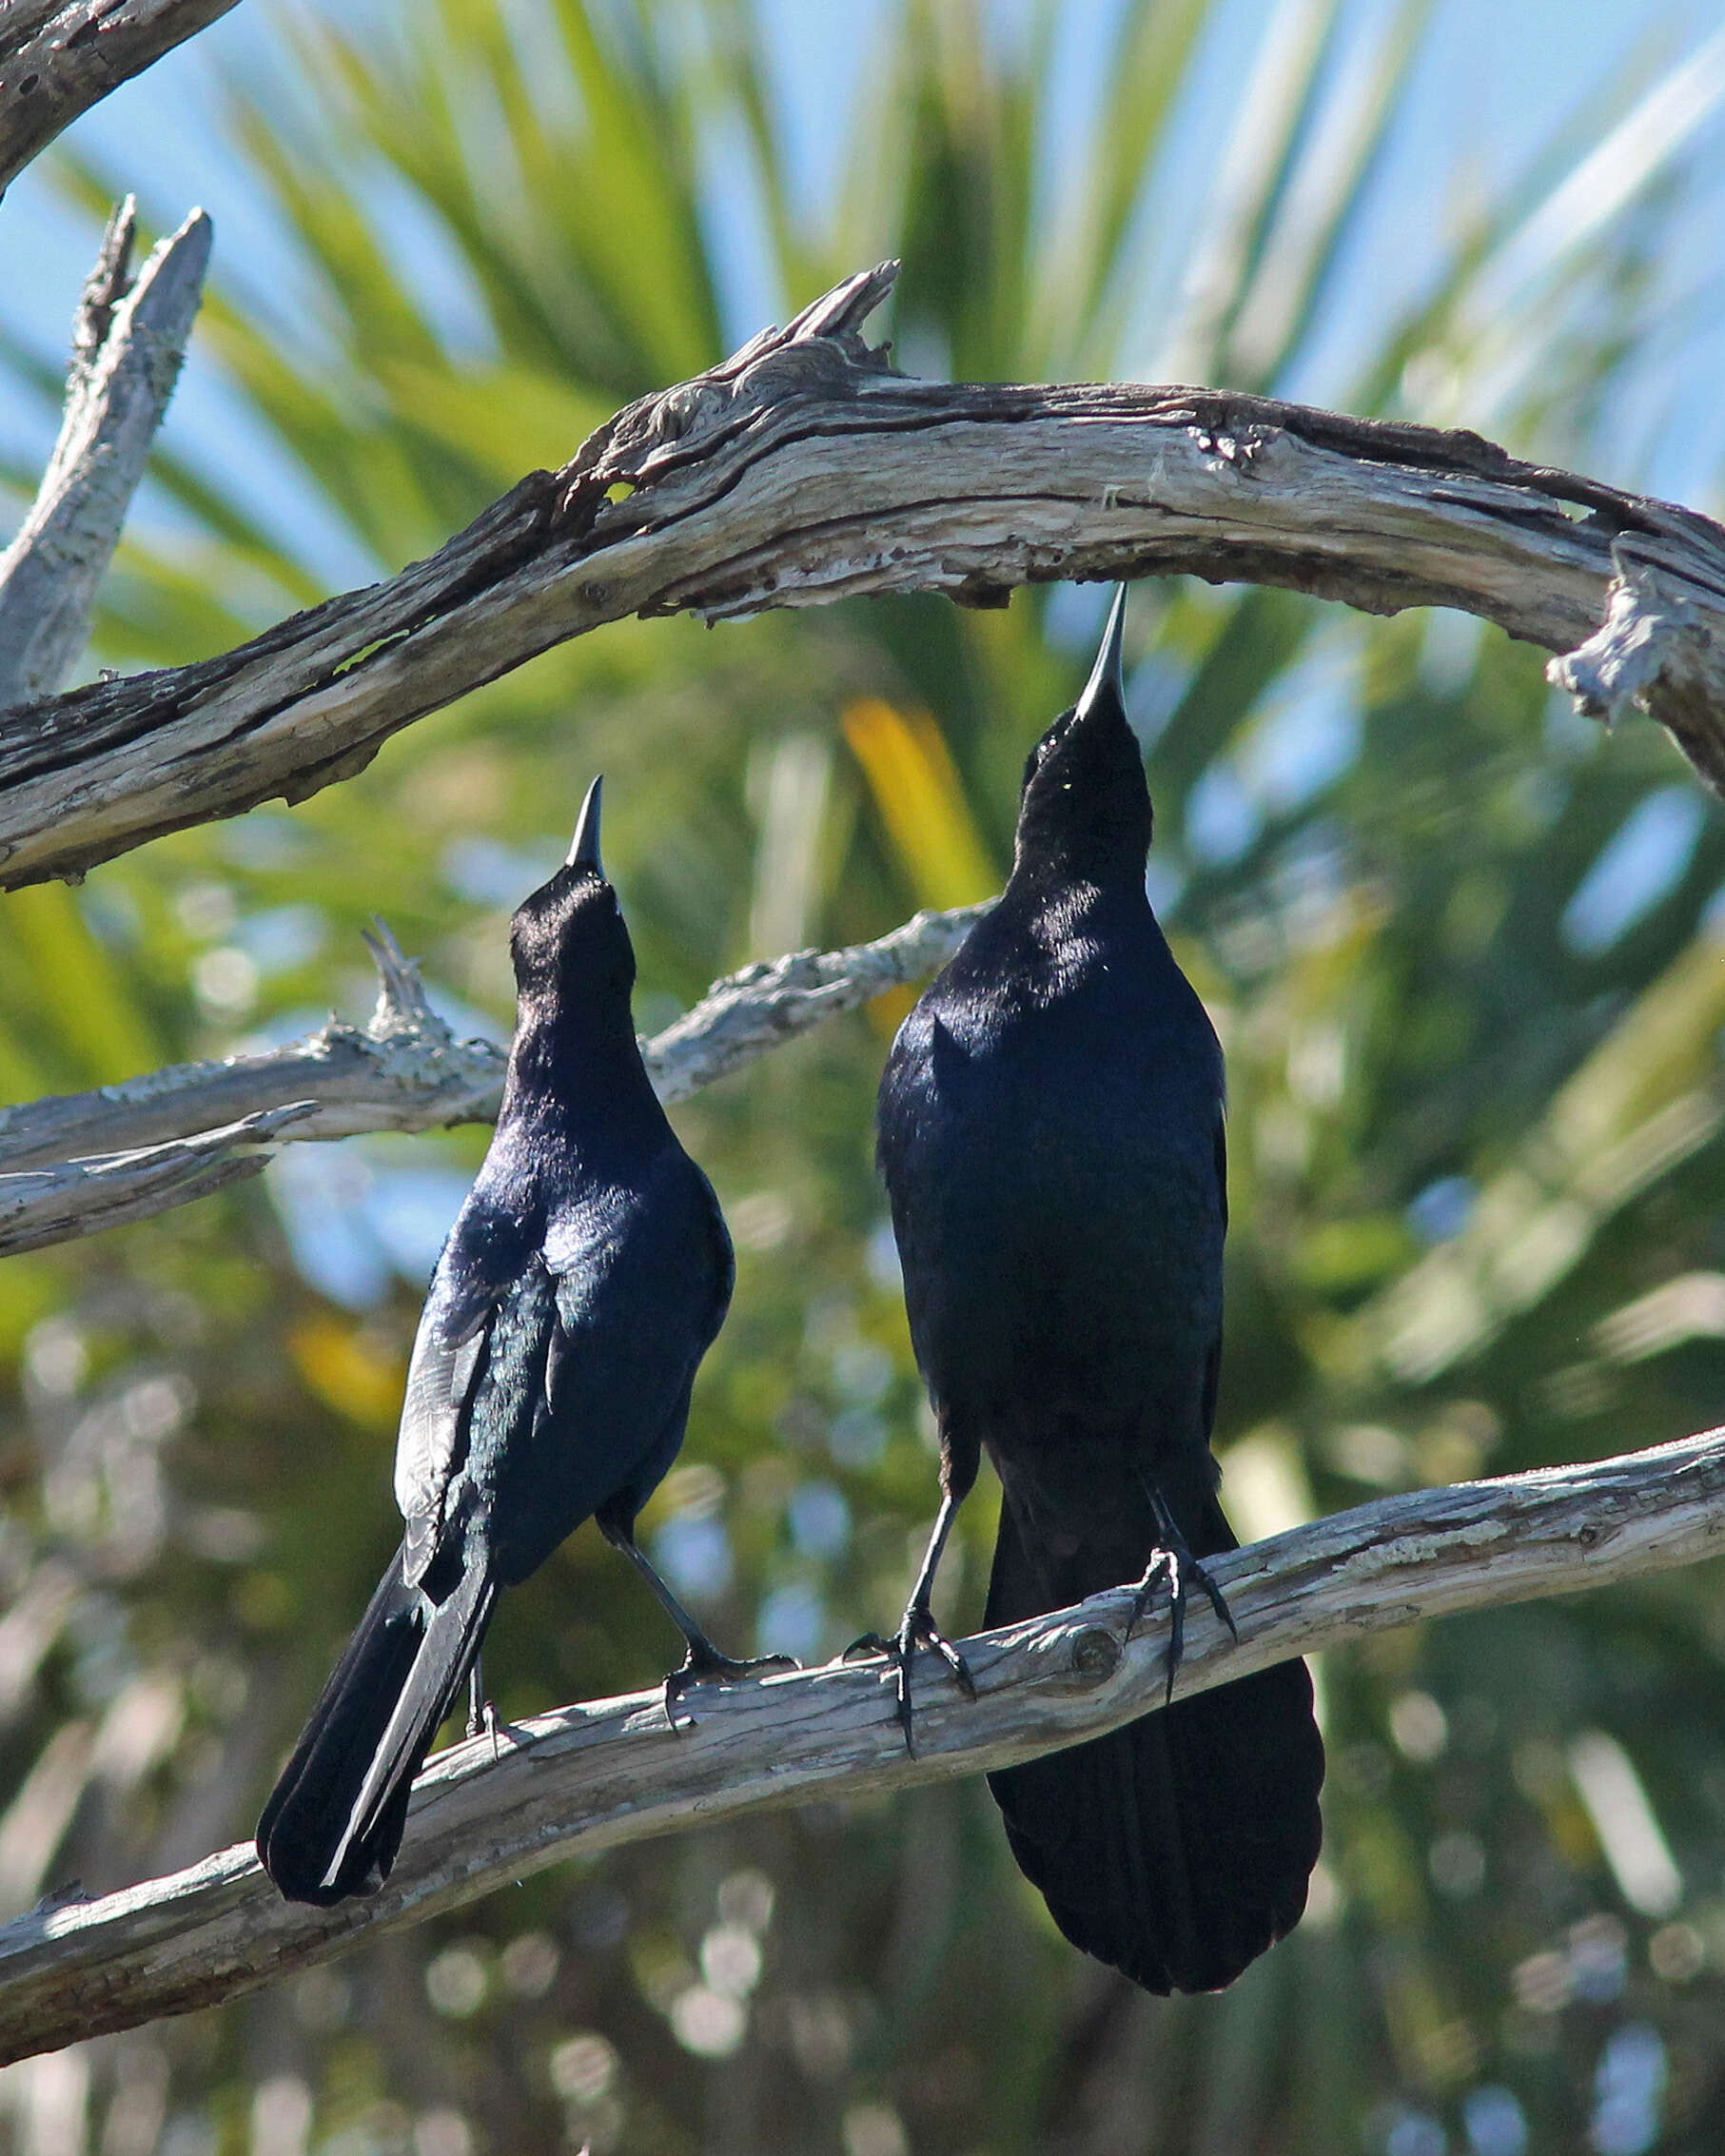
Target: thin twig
column 179, row 1133
column 128, row 344
column 591, row 1777
column 804, row 470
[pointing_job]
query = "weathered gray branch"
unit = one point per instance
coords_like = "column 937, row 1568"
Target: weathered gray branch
column 803, row 470
column 80, row 1197
column 59, row 57
column 128, row 344
column 179, row 1133
column 590, row 1778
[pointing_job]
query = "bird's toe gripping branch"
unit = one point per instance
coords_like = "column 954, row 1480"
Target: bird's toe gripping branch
column 481, row 1714
column 918, row 1629
column 704, row 1665
column 1174, row 1562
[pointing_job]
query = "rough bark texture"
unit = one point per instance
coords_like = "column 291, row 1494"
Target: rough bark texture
column 74, row 1163
column 589, row 1777
column 59, row 57
column 803, row 470
column 128, row 344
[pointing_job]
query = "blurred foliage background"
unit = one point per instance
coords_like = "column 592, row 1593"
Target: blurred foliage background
column 1463, row 950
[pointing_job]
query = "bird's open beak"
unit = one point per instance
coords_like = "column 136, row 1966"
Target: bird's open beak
column 584, row 852
column 1106, row 675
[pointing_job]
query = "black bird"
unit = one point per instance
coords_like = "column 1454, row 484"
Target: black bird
column 1052, row 1137
column 585, row 1277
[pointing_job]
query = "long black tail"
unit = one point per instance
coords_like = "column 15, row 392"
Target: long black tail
column 333, row 1823
column 1179, row 1848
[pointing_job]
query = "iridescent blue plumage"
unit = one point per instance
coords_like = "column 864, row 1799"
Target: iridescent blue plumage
column 585, row 1277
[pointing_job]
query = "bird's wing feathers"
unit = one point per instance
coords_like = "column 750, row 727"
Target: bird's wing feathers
column 447, row 1352
column 478, row 1267
column 573, row 1349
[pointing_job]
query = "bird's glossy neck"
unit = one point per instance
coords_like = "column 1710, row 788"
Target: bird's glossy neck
column 1056, row 860
column 571, row 1061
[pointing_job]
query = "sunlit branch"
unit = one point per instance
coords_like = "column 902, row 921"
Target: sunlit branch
column 590, row 1778
column 59, row 57
column 802, row 470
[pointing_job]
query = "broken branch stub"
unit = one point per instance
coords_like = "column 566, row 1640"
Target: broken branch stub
column 128, row 344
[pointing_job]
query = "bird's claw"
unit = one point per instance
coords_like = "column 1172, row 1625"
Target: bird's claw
column 708, row 1666
column 485, row 1721
column 918, row 1629
column 1175, row 1563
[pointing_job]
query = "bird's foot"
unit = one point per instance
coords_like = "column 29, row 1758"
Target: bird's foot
column 483, row 1718
column 1175, row 1563
column 918, row 1629
column 704, row 1665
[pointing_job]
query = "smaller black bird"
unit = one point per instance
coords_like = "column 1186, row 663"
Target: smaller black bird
column 585, row 1277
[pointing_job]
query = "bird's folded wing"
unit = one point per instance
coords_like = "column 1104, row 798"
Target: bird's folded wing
column 448, row 1351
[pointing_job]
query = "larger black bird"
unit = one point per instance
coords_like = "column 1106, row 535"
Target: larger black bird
column 584, row 1278
column 1051, row 1136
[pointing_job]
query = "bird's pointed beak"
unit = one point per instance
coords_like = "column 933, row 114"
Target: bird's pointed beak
column 1106, row 675
column 584, row 852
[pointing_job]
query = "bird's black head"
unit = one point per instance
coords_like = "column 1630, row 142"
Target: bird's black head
column 1085, row 810
column 570, row 946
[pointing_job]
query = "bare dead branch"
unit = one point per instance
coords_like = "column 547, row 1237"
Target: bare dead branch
column 403, row 1071
column 591, row 1777
column 53, row 1204
column 803, row 470
column 128, row 344
column 59, row 57
column 180, row 1134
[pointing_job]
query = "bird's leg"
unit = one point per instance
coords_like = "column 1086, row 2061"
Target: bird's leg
column 1172, row 1560
column 703, row 1663
column 481, row 1714
column 919, row 1628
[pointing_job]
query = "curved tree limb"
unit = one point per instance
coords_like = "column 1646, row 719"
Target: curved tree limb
column 180, row 1134
column 128, row 344
column 590, row 1778
column 59, row 57
column 803, row 470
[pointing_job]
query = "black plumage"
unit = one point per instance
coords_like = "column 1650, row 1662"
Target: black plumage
column 1051, row 1133
column 586, row 1275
